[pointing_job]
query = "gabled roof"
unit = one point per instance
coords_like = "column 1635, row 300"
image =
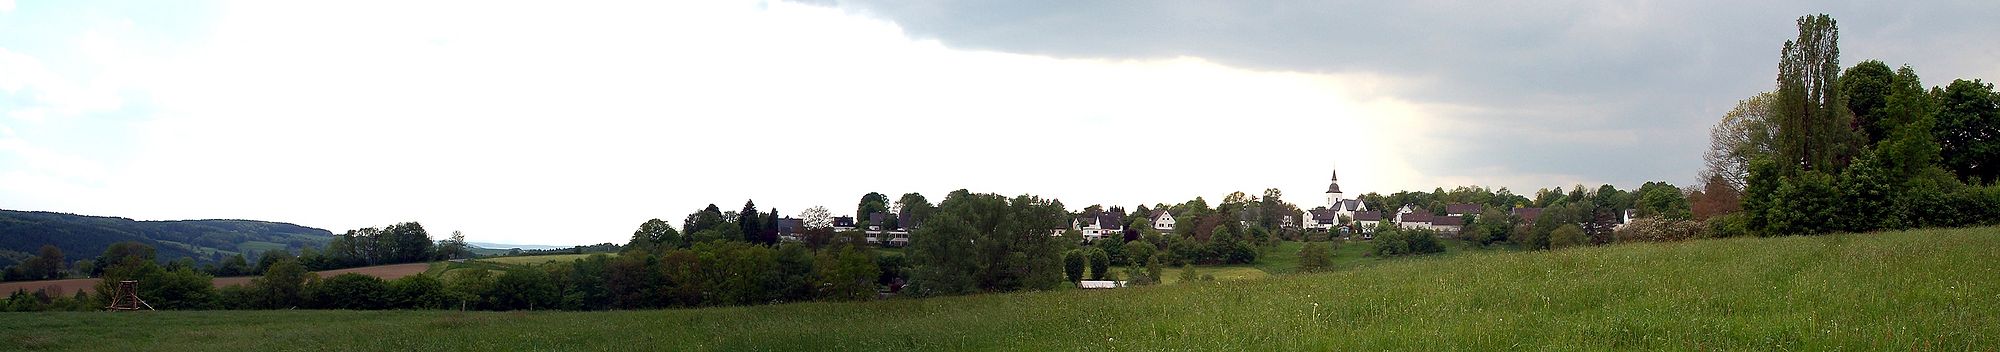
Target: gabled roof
column 1111, row 221
column 1528, row 215
column 1367, row 216
column 788, row 225
column 1157, row 213
column 1324, row 216
column 1448, row 221
column 1461, row 208
column 843, row 221
column 1348, row 204
column 1417, row 217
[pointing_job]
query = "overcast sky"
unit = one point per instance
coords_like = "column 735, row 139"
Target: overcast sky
column 572, row 122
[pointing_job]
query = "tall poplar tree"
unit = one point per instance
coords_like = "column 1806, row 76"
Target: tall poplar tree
column 1814, row 128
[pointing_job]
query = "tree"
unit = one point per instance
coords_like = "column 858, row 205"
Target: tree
column 1746, row 132
column 1866, row 88
column 1401, row 242
column 914, row 207
column 1968, row 129
column 1568, row 235
column 1073, row 264
column 796, row 274
column 653, row 235
column 1315, row 257
column 847, row 274
column 1662, row 200
column 418, row 292
column 816, row 217
column 871, row 203
column 454, row 247
column 942, row 255
column 1136, row 252
column 1100, row 263
column 1813, row 125
column 524, row 288
column 47, row 264
column 751, row 224
column 282, row 286
column 123, row 252
column 349, row 291
column 1716, row 198
column 236, row 265
column 1492, row 225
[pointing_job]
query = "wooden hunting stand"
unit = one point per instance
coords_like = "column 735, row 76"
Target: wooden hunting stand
column 127, row 297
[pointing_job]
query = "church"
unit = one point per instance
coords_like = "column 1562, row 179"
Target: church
column 1338, row 207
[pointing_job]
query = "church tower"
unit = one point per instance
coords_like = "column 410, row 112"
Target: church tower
column 1333, row 195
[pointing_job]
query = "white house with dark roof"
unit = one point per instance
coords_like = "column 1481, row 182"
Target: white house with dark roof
column 1163, row 220
column 1099, row 227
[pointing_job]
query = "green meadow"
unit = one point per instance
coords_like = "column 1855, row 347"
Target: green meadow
column 1910, row 290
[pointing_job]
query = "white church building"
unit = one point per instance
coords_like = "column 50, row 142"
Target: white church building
column 1337, row 207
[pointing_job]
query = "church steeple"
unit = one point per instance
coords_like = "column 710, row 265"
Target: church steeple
column 1335, row 186
column 1333, row 195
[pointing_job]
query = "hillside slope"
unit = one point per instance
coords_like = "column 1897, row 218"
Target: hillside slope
column 81, row 236
column 1915, row 290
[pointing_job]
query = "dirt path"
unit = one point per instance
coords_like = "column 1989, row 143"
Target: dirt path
column 69, row 286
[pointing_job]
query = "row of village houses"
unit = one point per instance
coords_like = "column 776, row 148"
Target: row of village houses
column 894, row 230
column 880, row 228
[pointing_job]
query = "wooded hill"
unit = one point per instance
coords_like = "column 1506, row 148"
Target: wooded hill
column 82, row 236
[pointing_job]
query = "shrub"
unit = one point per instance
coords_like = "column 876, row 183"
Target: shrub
column 1728, row 225
column 1316, row 256
column 1136, row 252
column 1569, row 235
column 1100, row 263
column 348, row 291
column 419, row 292
column 1658, row 229
column 1401, row 242
column 1073, row 263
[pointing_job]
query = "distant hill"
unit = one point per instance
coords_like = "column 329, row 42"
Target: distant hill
column 82, row 236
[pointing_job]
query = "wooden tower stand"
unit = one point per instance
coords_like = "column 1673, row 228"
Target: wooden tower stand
column 127, row 297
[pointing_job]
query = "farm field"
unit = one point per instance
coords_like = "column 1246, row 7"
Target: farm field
column 386, row 272
column 1911, row 290
column 537, row 259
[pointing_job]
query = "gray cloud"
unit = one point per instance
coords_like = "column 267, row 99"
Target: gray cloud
column 1615, row 92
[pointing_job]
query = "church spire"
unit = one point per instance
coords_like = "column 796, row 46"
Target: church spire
column 1334, row 188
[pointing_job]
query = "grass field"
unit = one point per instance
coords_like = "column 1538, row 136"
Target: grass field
column 1917, row 290
column 537, row 259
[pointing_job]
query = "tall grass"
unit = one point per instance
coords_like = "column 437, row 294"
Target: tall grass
column 1922, row 290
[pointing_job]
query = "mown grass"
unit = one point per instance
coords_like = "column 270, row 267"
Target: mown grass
column 1915, row 290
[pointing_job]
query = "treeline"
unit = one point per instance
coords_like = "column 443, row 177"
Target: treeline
column 1863, row 149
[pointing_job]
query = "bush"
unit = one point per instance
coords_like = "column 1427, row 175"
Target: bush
column 1137, row 252
column 1316, row 256
column 1728, row 225
column 1100, row 263
column 419, row 292
column 1658, row 229
column 348, row 291
column 1569, row 235
column 1073, row 264
column 1400, row 242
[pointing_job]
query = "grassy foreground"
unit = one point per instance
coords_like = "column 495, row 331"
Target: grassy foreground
column 1922, row 290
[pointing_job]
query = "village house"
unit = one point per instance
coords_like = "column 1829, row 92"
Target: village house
column 843, row 223
column 1103, row 225
column 1462, row 209
column 1528, row 215
column 1163, row 220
